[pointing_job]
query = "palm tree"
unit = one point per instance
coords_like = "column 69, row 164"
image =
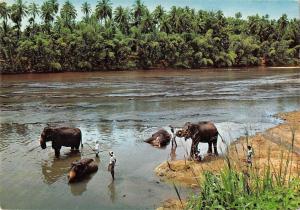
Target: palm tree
column 33, row 11
column 138, row 12
column 19, row 10
column 121, row 17
column 68, row 14
column 4, row 14
column 147, row 23
column 47, row 13
column 86, row 10
column 54, row 4
column 165, row 25
column 158, row 14
column 174, row 18
column 103, row 10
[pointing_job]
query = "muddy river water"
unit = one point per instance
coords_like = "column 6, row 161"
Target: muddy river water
column 120, row 109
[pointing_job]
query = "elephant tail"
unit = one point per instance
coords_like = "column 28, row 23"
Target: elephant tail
column 81, row 140
column 221, row 138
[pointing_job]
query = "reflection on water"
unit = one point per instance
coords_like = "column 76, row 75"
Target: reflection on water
column 120, row 110
column 54, row 169
column 112, row 191
column 78, row 188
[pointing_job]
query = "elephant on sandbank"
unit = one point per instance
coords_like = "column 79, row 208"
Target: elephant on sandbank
column 204, row 131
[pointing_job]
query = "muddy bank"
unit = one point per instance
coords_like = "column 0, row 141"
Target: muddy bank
column 173, row 204
column 273, row 145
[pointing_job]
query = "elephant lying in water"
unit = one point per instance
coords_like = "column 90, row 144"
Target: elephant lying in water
column 160, row 138
column 80, row 169
column 63, row 136
column 204, row 131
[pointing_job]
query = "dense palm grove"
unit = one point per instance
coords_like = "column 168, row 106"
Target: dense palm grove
column 55, row 39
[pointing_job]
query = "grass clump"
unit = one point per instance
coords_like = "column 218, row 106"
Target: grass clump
column 237, row 190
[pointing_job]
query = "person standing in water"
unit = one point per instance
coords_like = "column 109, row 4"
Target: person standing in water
column 112, row 163
column 97, row 148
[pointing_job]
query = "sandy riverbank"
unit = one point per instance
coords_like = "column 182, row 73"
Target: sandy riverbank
column 274, row 145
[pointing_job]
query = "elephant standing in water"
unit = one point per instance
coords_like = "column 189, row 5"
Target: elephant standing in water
column 63, row 136
column 205, row 132
column 160, row 138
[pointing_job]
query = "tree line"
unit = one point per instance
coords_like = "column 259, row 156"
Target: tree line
column 54, row 39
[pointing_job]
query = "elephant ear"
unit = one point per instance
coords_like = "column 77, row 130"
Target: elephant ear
column 190, row 130
column 48, row 132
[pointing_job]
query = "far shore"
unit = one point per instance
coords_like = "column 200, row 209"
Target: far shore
column 154, row 69
column 281, row 140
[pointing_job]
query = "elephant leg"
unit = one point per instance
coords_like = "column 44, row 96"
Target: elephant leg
column 209, row 151
column 215, row 148
column 57, row 152
column 192, row 153
column 72, row 149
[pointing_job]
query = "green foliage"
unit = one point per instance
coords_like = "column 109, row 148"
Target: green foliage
column 135, row 37
column 235, row 190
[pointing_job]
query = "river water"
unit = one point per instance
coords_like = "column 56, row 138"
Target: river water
column 120, row 109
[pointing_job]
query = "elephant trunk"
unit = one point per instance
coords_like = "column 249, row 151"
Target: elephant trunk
column 43, row 144
column 149, row 140
column 154, row 141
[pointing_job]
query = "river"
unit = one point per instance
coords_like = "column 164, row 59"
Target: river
column 120, row 109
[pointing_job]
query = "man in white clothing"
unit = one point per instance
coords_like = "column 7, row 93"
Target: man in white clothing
column 112, row 163
column 250, row 154
column 97, row 148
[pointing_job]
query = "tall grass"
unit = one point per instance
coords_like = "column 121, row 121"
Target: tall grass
column 249, row 187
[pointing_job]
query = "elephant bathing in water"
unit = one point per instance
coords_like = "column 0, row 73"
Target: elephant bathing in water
column 160, row 138
column 205, row 132
column 63, row 136
column 79, row 169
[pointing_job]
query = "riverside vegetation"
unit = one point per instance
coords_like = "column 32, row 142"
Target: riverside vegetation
column 55, row 39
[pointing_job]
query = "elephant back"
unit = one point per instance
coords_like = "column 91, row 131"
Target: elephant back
column 92, row 167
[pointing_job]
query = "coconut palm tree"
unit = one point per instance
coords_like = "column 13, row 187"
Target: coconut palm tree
column 19, row 10
column 138, row 11
column 103, row 10
column 47, row 14
column 68, row 14
column 165, row 25
column 86, row 10
column 121, row 17
column 55, row 6
column 158, row 14
column 4, row 14
column 147, row 23
column 33, row 11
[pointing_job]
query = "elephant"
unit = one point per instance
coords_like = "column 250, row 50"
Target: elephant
column 62, row 136
column 204, row 131
column 160, row 138
column 79, row 169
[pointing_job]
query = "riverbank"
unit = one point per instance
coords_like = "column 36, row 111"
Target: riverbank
column 161, row 68
column 274, row 146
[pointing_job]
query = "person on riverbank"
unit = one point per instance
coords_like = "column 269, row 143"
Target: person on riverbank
column 249, row 155
column 112, row 163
